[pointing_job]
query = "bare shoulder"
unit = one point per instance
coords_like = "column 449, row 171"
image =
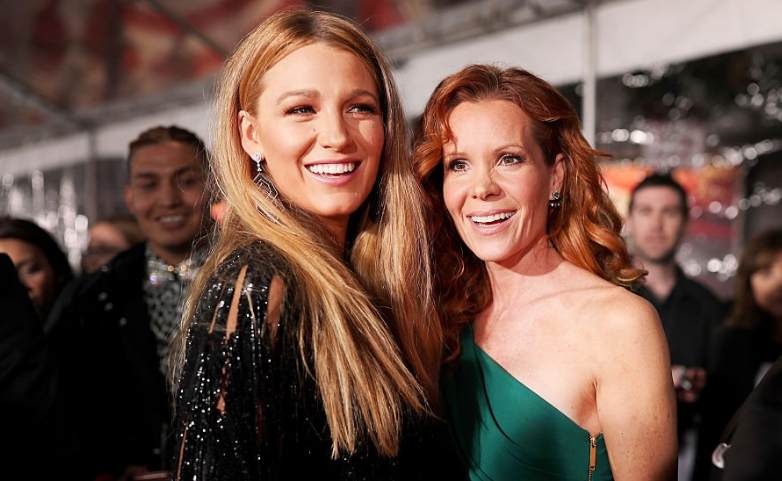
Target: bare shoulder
column 623, row 309
column 628, row 330
column 616, row 315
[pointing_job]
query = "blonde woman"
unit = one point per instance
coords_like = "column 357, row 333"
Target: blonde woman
column 312, row 346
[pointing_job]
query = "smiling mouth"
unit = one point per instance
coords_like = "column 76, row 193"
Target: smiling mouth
column 171, row 218
column 332, row 169
column 491, row 219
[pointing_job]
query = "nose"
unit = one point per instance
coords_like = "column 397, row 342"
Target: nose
column 334, row 131
column 484, row 184
column 656, row 221
column 170, row 194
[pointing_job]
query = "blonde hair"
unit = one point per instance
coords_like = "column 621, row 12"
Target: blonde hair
column 369, row 368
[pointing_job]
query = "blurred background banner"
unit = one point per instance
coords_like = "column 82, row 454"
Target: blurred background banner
column 694, row 87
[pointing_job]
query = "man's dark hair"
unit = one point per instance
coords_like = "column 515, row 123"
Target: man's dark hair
column 660, row 180
column 161, row 134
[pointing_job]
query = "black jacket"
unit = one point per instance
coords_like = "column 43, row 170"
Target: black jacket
column 35, row 439
column 100, row 331
column 756, row 443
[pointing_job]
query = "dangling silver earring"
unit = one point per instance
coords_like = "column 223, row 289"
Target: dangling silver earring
column 556, row 201
column 258, row 158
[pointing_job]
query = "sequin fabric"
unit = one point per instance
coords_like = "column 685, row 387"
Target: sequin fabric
column 246, row 409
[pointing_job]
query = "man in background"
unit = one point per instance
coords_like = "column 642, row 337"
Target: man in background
column 112, row 329
column 656, row 223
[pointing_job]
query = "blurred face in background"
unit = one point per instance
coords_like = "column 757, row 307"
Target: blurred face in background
column 656, row 224
column 166, row 195
column 35, row 272
column 106, row 241
column 766, row 286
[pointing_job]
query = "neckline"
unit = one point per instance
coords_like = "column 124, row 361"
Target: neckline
column 485, row 354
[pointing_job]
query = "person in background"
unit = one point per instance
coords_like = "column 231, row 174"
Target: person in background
column 36, row 442
column 562, row 372
column 107, row 238
column 752, row 447
column 41, row 265
column 690, row 313
column 111, row 329
column 751, row 339
column 312, row 347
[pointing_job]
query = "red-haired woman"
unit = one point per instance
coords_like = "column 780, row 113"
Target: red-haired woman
column 562, row 372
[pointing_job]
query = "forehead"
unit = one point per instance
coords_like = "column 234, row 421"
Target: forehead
column 104, row 230
column 490, row 121
column 767, row 258
column 18, row 249
column 318, row 66
column 658, row 195
column 164, row 158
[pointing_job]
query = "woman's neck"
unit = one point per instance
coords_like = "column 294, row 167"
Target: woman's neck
column 338, row 227
column 521, row 278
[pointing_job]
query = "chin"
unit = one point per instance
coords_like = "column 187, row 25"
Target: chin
column 487, row 255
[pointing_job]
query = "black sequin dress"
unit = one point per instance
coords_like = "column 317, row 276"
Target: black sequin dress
column 246, row 408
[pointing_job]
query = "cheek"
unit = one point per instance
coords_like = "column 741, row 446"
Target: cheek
column 196, row 198
column 452, row 198
column 373, row 138
column 287, row 142
column 37, row 284
column 142, row 201
column 760, row 289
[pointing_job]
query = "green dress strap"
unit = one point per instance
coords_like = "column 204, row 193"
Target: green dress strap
column 505, row 431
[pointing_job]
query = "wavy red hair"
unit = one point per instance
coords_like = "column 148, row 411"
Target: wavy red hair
column 585, row 230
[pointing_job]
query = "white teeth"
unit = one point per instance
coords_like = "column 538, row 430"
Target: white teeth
column 332, row 169
column 172, row 218
column 491, row 218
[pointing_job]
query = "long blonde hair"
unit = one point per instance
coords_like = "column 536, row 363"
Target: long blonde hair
column 369, row 367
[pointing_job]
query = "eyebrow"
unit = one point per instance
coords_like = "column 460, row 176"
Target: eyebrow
column 25, row 263
column 311, row 93
column 524, row 150
column 153, row 175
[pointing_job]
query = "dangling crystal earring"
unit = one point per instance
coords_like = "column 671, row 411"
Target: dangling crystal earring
column 257, row 158
column 556, row 201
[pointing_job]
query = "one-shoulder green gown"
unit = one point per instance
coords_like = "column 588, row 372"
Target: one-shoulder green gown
column 505, row 431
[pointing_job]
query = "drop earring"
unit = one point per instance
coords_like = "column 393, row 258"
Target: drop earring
column 556, row 201
column 258, row 159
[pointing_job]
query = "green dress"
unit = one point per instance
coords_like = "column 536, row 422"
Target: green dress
column 505, row 431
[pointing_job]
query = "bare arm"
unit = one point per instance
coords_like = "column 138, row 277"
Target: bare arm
column 635, row 397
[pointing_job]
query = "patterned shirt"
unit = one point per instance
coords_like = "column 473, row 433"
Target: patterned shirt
column 164, row 289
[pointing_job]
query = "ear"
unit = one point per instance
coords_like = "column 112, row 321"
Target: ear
column 248, row 131
column 129, row 199
column 558, row 175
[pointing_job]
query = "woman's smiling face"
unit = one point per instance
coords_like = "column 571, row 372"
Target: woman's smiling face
column 319, row 127
column 497, row 183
